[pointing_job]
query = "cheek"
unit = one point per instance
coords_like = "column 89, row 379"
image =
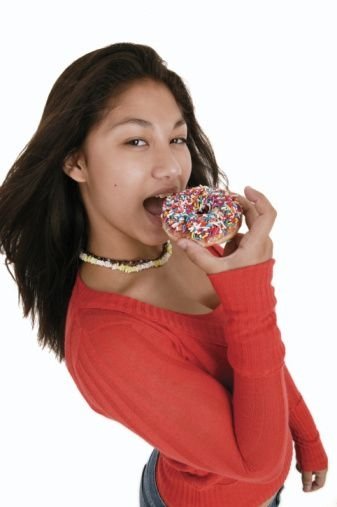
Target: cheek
column 112, row 190
column 105, row 185
column 187, row 163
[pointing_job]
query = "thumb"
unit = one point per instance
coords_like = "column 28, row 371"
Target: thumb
column 200, row 256
column 307, row 481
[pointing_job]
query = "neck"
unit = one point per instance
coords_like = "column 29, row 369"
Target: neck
column 125, row 252
column 106, row 280
column 133, row 261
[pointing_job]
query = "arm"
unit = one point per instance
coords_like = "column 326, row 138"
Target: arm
column 310, row 453
column 131, row 371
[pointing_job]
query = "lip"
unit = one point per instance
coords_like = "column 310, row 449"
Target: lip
column 171, row 190
column 155, row 219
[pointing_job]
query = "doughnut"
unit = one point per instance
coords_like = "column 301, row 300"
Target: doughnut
column 203, row 214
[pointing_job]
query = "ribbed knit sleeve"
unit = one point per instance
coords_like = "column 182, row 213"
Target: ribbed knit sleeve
column 131, row 370
column 256, row 354
column 310, row 453
column 255, row 347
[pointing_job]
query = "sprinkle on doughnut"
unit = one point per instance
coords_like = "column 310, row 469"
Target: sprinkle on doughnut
column 203, row 214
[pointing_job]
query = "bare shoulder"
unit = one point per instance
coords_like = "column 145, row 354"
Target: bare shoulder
column 178, row 286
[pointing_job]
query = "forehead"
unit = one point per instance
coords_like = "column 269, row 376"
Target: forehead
column 144, row 87
column 144, row 95
column 145, row 99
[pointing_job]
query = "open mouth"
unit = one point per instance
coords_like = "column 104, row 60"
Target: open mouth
column 154, row 205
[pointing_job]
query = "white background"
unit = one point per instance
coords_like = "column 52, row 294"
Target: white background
column 263, row 78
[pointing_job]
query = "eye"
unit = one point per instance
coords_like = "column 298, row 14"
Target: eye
column 182, row 139
column 132, row 142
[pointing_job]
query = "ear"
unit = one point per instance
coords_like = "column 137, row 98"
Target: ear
column 75, row 167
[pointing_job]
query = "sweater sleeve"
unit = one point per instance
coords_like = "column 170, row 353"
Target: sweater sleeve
column 310, row 453
column 131, row 370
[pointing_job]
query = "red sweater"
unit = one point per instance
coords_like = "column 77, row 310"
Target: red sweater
column 210, row 391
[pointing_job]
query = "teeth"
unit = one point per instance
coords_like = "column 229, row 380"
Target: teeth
column 162, row 195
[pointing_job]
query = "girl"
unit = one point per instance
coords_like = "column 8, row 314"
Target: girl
column 177, row 342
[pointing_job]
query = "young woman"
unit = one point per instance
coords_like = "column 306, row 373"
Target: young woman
column 177, row 342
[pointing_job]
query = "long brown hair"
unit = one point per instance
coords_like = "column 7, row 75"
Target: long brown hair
column 43, row 224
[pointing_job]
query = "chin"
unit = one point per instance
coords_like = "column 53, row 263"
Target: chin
column 156, row 239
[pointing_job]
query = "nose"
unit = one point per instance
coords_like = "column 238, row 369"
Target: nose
column 166, row 163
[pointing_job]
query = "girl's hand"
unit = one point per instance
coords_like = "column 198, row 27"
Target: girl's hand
column 307, row 479
column 253, row 247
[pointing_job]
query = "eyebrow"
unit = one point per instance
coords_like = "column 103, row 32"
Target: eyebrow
column 144, row 123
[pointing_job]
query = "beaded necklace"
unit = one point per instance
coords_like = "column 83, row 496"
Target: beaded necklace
column 129, row 266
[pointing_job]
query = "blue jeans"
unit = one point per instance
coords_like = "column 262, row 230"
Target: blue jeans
column 148, row 492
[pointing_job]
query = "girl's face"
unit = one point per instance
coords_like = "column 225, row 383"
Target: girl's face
column 124, row 161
